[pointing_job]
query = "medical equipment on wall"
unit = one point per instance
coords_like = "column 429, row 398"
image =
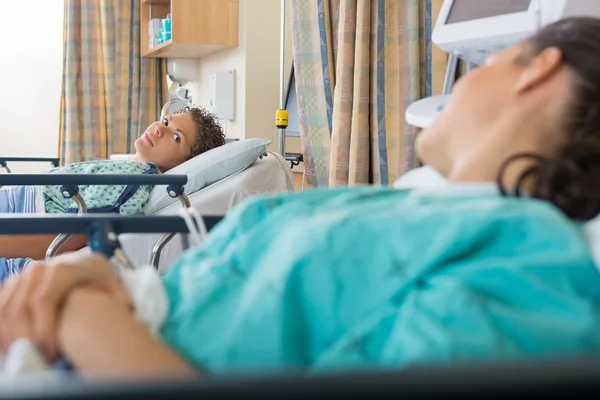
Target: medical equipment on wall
column 471, row 30
column 222, row 95
column 180, row 72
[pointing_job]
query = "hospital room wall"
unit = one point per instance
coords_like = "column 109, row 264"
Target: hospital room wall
column 256, row 62
column 30, row 80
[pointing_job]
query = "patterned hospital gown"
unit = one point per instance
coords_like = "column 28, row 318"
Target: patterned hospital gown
column 380, row 278
column 124, row 199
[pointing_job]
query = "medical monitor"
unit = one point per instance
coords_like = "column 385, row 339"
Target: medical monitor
column 473, row 29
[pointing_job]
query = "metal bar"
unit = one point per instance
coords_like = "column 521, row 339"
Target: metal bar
column 282, row 86
column 55, row 161
column 165, row 239
column 450, row 76
column 82, row 179
column 20, row 224
column 63, row 238
column 158, row 248
column 281, row 131
column 281, row 137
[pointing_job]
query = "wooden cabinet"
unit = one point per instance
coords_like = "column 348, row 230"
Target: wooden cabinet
column 199, row 27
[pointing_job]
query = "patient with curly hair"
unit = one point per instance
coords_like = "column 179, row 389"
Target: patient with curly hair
column 164, row 145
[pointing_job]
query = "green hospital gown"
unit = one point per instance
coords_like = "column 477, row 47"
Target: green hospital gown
column 123, row 199
column 372, row 277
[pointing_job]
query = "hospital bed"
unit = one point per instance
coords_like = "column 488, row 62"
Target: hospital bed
column 216, row 181
column 268, row 175
column 560, row 377
column 565, row 376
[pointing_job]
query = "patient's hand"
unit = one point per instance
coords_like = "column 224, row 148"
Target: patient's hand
column 101, row 338
column 31, row 303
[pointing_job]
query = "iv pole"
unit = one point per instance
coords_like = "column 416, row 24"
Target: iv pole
column 282, row 115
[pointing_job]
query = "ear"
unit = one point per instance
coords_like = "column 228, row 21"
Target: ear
column 539, row 69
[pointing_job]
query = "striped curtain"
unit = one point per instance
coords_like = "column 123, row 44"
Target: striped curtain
column 359, row 64
column 110, row 93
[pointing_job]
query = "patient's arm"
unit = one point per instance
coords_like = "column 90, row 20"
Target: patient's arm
column 100, row 337
column 35, row 246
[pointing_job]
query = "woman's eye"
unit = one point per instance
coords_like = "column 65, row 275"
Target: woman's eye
column 165, row 121
column 177, row 138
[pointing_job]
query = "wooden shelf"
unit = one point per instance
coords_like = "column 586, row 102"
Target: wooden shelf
column 199, row 27
column 160, row 49
column 152, row 2
column 183, row 50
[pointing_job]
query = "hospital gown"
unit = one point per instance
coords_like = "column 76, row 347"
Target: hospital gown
column 382, row 278
column 124, row 199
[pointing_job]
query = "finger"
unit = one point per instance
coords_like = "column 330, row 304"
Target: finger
column 6, row 291
column 61, row 279
column 11, row 331
column 117, row 291
column 47, row 305
column 17, row 316
column 96, row 271
column 112, row 281
column 45, row 315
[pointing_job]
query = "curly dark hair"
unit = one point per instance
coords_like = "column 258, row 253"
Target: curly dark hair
column 571, row 178
column 209, row 133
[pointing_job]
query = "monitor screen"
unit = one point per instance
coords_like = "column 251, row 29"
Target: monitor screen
column 467, row 10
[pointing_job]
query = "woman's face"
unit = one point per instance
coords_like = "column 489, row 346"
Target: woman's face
column 495, row 91
column 167, row 143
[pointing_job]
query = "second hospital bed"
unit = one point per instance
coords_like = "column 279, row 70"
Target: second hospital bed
column 216, row 181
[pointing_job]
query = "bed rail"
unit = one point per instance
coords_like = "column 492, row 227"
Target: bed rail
column 563, row 377
column 90, row 179
column 69, row 187
column 102, row 229
column 5, row 160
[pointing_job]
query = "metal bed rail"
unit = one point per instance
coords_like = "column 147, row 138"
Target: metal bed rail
column 55, row 161
column 102, row 229
column 91, row 179
column 69, row 187
column 564, row 377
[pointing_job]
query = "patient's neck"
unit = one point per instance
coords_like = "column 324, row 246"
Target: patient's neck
column 481, row 162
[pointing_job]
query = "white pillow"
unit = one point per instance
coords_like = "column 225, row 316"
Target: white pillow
column 208, row 168
column 423, row 177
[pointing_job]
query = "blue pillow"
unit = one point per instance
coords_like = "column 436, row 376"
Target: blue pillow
column 208, row 168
